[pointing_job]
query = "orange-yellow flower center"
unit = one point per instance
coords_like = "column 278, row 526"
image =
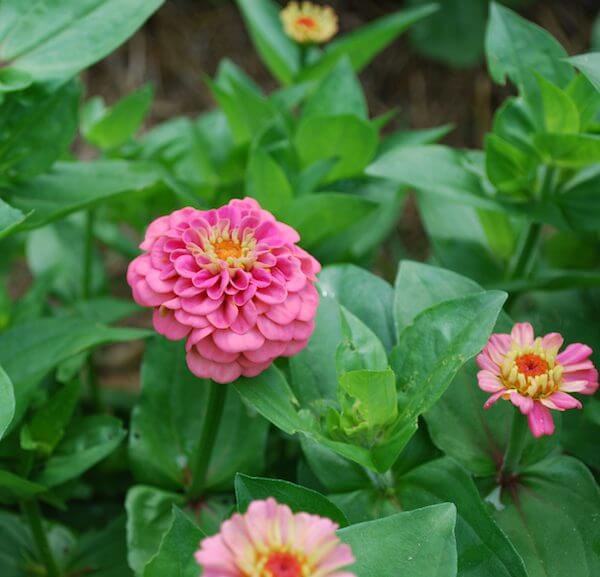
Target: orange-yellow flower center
column 306, row 21
column 281, row 564
column 531, row 365
column 227, row 248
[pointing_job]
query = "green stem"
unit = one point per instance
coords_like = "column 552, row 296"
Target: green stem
column 527, row 252
column 217, row 394
column 86, row 279
column 31, row 510
column 516, row 444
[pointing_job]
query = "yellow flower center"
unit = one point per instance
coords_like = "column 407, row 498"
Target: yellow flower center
column 533, row 370
column 228, row 248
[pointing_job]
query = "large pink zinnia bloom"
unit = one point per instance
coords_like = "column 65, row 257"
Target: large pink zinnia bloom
column 534, row 376
column 233, row 282
column 271, row 541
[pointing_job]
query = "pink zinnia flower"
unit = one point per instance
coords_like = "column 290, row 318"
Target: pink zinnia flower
column 233, row 282
column 271, row 541
column 534, row 376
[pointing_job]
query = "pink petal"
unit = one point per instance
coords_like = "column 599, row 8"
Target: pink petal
column 488, row 381
column 574, row 354
column 234, row 343
column 493, row 398
column 560, row 401
column 205, row 369
column 522, row 333
column 552, row 341
column 540, row 420
column 525, row 404
column 166, row 324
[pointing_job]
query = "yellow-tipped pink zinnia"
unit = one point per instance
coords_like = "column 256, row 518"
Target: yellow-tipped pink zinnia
column 309, row 23
column 271, row 541
column 534, row 376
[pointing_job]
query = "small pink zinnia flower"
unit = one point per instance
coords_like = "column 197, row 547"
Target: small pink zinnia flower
column 233, row 282
column 271, row 541
column 532, row 374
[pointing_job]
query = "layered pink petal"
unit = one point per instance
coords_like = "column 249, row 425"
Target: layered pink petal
column 540, row 420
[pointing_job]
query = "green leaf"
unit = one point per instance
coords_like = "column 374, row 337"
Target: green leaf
column 483, row 549
column 299, row 499
column 338, row 94
column 167, row 421
column 14, row 488
column 411, row 166
column 430, row 352
column 555, row 501
column 454, row 34
column 73, row 186
column 267, row 182
column 47, row 425
column 580, row 201
column 86, row 443
column 419, row 542
column 149, row 516
column 568, row 150
column 420, row 286
column 421, row 137
column 365, row 295
column 113, row 127
column 272, row 397
column 10, row 218
column 320, row 216
column 586, row 98
column 348, row 139
column 59, row 40
column 280, row 54
column 102, row 552
column 560, row 112
column 514, row 47
column 7, row 402
column 589, row 64
column 38, row 125
column 364, row 43
column 175, row 557
column 509, row 169
column 32, row 349
column 373, row 395
column 12, row 80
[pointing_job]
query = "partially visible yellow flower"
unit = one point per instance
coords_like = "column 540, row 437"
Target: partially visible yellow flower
column 309, row 23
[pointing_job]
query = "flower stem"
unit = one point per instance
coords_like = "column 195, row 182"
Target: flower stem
column 86, row 279
column 516, row 444
column 217, row 394
column 31, row 510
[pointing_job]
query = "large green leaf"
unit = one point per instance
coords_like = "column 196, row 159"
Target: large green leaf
column 339, row 93
column 515, row 46
column 279, row 53
column 149, row 514
column 569, row 150
column 72, row 186
column 318, row 217
column 551, row 515
column 7, row 402
column 419, row 542
column 37, row 127
column 10, row 218
column 55, row 40
column 348, row 139
column 86, row 443
column 589, row 64
column 175, row 557
column 14, row 488
column 298, row 498
column 483, row 549
column 430, row 352
column 267, row 182
column 365, row 295
column 168, row 419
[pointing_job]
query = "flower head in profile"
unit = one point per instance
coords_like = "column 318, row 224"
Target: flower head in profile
column 309, row 23
column 232, row 282
column 534, row 376
column 271, row 541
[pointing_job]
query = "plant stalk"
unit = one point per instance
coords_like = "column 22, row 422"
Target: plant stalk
column 516, row 444
column 217, row 394
column 86, row 279
column 31, row 510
